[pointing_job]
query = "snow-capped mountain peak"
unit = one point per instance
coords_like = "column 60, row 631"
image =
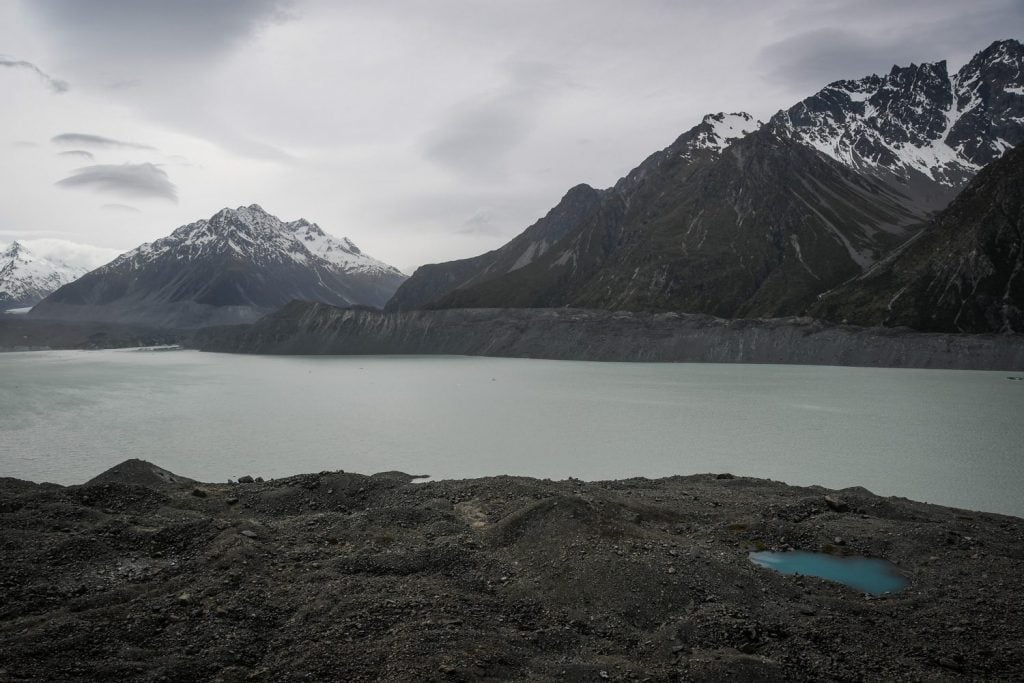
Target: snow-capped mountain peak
column 30, row 270
column 233, row 267
column 253, row 234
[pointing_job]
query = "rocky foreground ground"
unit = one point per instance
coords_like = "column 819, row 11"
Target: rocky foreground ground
column 145, row 575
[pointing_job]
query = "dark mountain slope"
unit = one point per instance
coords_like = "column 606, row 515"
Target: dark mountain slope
column 583, row 208
column 433, row 281
column 964, row 272
column 728, row 233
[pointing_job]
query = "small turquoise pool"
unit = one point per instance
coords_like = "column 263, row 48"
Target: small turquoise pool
column 863, row 573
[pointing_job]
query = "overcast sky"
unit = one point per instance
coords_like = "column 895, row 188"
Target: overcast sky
column 424, row 131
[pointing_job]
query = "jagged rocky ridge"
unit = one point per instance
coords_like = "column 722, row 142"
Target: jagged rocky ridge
column 575, row 334
column 764, row 218
column 919, row 120
column 963, row 271
column 235, row 267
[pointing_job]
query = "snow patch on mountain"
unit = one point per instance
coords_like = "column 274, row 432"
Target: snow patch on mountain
column 854, row 123
column 718, row 131
column 342, row 252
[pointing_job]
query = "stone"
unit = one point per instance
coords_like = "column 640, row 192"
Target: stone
column 249, row 534
column 951, row 664
column 231, row 500
column 836, row 504
column 245, row 479
column 199, row 493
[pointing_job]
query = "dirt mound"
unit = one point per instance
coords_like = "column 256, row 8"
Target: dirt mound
column 140, row 473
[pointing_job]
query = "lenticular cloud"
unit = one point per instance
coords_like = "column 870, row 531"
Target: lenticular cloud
column 128, row 180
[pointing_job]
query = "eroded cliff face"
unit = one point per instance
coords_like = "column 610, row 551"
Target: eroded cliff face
column 573, row 334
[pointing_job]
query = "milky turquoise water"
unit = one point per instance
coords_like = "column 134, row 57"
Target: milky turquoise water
column 948, row 437
column 867, row 574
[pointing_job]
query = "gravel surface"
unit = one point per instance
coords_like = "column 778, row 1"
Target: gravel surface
column 142, row 574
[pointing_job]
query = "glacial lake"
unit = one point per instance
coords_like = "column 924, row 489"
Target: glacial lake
column 947, row 437
column 866, row 574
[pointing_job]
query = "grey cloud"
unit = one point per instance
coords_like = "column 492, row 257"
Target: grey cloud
column 34, row 234
column 182, row 30
column 478, row 137
column 87, row 140
column 120, row 208
column 124, row 84
column 472, row 211
column 179, row 160
column 476, row 142
column 56, row 85
column 845, row 47
column 812, row 59
column 78, row 153
column 131, row 180
column 481, row 222
column 24, row 144
column 232, row 141
column 156, row 55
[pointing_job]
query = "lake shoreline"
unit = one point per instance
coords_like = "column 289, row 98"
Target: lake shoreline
column 67, row 415
column 307, row 328
column 22, row 333
column 143, row 574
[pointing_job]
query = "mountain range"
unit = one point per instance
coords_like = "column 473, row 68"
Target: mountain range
column 234, row 267
column 866, row 203
column 738, row 218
